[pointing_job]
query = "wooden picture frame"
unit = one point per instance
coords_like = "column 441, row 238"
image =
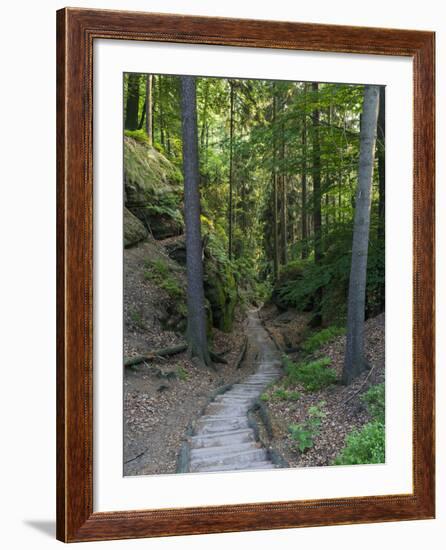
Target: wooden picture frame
column 76, row 31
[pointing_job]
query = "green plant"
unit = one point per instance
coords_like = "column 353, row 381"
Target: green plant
column 304, row 433
column 158, row 271
column 137, row 319
column 322, row 337
column 374, row 398
column 285, row 395
column 365, row 446
column 182, row 373
column 264, row 397
column 313, row 376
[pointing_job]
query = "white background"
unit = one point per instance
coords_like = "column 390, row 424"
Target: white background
column 28, row 271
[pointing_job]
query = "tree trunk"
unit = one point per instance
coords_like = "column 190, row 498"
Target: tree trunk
column 381, row 151
column 317, row 215
column 196, row 314
column 354, row 362
column 275, row 196
column 283, row 221
column 231, row 178
column 304, row 179
column 132, row 104
column 148, row 111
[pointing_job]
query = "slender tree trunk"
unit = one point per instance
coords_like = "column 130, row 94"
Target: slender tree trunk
column 132, row 104
column 148, row 110
column 196, row 314
column 231, row 170
column 354, row 362
column 161, row 111
column 283, row 221
column 304, row 179
column 381, row 151
column 276, row 260
column 317, row 215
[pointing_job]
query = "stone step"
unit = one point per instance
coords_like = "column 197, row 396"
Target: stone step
column 256, row 465
column 212, row 424
column 218, row 439
column 224, row 410
column 238, row 458
column 235, row 397
column 219, row 451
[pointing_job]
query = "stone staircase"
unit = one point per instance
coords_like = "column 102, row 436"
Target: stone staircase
column 223, row 439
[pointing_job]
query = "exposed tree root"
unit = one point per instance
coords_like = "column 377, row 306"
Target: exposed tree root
column 151, row 355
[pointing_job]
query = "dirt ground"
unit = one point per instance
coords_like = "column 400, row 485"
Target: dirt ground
column 343, row 408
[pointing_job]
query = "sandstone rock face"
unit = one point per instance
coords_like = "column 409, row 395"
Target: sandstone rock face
column 134, row 230
column 152, row 189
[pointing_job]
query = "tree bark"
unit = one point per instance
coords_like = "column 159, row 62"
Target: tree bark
column 231, row 172
column 276, row 259
column 381, row 153
column 196, row 314
column 283, row 212
column 304, row 179
column 148, row 110
column 132, row 103
column 354, row 362
column 317, row 215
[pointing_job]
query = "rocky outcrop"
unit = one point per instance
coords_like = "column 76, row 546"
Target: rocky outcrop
column 221, row 290
column 134, row 230
column 152, row 189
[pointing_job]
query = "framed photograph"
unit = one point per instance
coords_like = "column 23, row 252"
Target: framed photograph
column 245, row 275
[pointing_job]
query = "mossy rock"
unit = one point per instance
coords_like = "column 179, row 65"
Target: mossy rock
column 152, row 189
column 221, row 290
column 134, row 230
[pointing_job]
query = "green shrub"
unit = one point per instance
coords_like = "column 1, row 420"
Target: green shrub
column 182, row 373
column 322, row 337
column 313, row 376
column 365, row 446
column 374, row 398
column 158, row 272
column 304, row 433
column 137, row 319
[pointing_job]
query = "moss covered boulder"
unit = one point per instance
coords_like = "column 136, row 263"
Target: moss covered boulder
column 152, row 188
column 134, row 229
column 221, row 291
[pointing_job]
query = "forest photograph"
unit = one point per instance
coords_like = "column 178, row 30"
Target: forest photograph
column 254, row 274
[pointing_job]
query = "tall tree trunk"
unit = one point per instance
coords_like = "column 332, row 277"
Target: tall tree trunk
column 132, row 104
column 231, row 172
column 283, row 212
column 354, row 362
column 276, row 259
column 381, row 151
column 304, row 179
column 196, row 314
column 317, row 215
column 148, row 110
column 161, row 110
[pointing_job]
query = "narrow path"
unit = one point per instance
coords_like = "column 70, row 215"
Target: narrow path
column 223, row 439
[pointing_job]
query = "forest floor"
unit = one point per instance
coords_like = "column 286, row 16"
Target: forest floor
column 162, row 397
column 342, row 405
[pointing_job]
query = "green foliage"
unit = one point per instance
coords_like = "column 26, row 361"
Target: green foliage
column 375, row 401
column 322, row 337
column 281, row 394
column 305, row 432
column 138, row 135
column 159, row 273
column 182, row 373
column 313, row 376
column 137, row 319
column 365, row 446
